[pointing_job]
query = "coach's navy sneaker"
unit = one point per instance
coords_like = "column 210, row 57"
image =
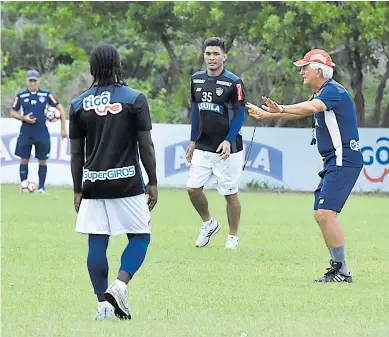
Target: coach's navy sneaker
column 117, row 297
column 207, row 231
column 333, row 274
column 103, row 313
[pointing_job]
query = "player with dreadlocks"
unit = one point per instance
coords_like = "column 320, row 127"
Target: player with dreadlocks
column 108, row 123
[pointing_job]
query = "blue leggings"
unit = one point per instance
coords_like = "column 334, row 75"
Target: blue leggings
column 131, row 260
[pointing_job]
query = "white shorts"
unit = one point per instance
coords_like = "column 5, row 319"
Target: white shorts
column 114, row 216
column 207, row 164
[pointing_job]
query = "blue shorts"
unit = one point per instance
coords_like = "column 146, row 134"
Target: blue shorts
column 25, row 143
column 335, row 187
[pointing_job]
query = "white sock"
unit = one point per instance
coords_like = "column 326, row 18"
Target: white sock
column 121, row 284
column 233, row 237
column 208, row 222
column 104, row 304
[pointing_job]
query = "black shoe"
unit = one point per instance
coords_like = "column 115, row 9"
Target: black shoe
column 334, row 275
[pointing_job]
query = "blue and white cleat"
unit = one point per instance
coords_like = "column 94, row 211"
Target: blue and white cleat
column 117, row 297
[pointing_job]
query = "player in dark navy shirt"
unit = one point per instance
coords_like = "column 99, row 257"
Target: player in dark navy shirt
column 216, row 147
column 336, row 130
column 109, row 128
column 32, row 102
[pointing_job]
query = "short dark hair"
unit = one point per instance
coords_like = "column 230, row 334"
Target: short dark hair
column 105, row 66
column 215, row 42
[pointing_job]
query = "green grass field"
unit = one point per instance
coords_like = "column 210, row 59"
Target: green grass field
column 263, row 289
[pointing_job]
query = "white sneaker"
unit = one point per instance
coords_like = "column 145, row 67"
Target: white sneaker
column 42, row 191
column 232, row 242
column 117, row 297
column 207, row 232
column 103, row 313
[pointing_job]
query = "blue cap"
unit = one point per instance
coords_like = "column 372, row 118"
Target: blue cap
column 33, row 75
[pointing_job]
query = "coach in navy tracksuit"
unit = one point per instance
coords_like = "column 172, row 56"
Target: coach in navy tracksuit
column 32, row 102
column 335, row 126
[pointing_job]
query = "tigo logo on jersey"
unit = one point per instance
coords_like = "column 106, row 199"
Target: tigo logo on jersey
column 101, row 104
column 377, row 161
column 263, row 159
column 111, row 174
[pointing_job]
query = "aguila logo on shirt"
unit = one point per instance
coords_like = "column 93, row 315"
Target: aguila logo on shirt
column 101, row 104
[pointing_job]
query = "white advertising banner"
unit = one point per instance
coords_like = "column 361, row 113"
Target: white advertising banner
column 279, row 157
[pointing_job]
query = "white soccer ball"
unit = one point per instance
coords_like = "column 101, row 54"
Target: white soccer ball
column 27, row 186
column 52, row 114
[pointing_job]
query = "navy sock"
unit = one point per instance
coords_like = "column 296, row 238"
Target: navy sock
column 23, row 171
column 42, row 171
column 97, row 262
column 135, row 252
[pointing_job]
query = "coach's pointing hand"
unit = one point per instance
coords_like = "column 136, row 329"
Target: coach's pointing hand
column 225, row 148
column 271, row 106
column 152, row 192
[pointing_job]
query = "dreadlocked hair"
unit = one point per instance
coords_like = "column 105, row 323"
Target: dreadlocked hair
column 105, row 66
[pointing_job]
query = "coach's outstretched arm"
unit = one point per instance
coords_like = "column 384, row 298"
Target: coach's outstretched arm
column 147, row 155
column 77, row 157
column 260, row 114
column 303, row 109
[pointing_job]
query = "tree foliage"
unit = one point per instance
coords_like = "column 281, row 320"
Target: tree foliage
column 161, row 46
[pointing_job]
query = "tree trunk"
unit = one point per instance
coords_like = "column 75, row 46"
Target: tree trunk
column 379, row 96
column 201, row 56
column 173, row 57
column 229, row 41
column 385, row 123
column 354, row 66
column 288, row 93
